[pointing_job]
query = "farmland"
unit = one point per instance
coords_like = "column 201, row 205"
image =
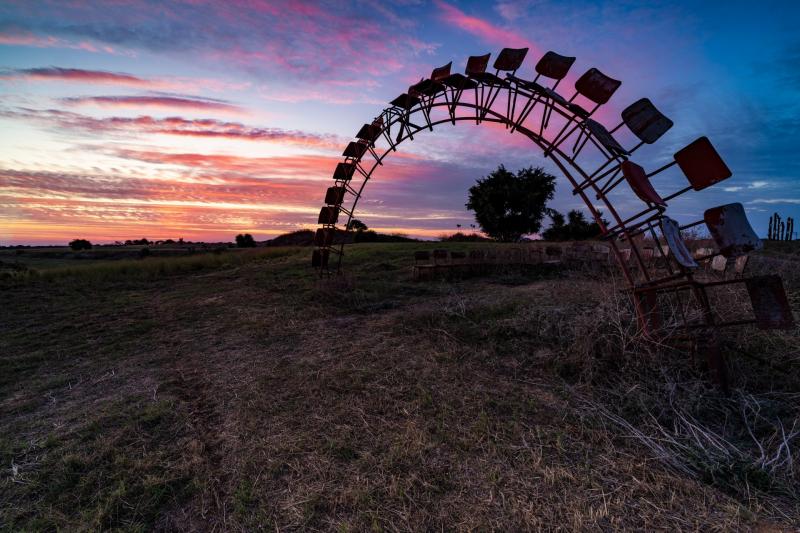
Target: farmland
column 235, row 390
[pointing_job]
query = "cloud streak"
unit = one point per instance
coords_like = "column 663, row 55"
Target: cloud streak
column 482, row 29
column 77, row 75
column 297, row 40
column 166, row 102
column 240, row 191
column 120, row 79
column 176, row 126
column 26, row 38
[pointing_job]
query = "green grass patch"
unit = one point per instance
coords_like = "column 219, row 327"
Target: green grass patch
column 119, row 470
column 150, row 268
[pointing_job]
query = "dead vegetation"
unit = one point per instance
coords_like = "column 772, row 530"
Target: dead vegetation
column 252, row 396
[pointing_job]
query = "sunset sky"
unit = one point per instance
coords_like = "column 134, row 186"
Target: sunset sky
column 197, row 119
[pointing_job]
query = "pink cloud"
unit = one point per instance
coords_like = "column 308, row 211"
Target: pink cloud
column 103, row 77
column 17, row 38
column 208, row 194
column 177, row 126
column 488, row 32
column 280, row 44
column 238, row 169
column 29, row 39
column 210, row 189
column 169, row 102
column 77, row 75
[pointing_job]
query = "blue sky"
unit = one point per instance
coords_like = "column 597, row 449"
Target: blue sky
column 202, row 120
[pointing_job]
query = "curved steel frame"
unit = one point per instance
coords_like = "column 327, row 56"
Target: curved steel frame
column 645, row 282
column 561, row 160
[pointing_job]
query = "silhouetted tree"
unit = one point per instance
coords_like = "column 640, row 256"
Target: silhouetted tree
column 357, row 225
column 557, row 229
column 80, row 244
column 575, row 228
column 508, row 205
column 245, row 241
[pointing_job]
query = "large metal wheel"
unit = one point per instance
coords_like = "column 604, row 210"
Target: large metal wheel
column 648, row 245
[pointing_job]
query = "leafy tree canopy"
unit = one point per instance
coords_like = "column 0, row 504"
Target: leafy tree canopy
column 245, row 241
column 80, row 244
column 509, row 205
column 574, row 228
column 357, row 225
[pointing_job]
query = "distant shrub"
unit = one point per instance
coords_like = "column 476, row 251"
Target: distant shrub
column 145, row 252
column 245, row 241
column 357, row 225
column 374, row 236
column 80, row 244
column 575, row 228
column 464, row 237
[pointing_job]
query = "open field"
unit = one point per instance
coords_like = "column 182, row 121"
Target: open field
column 236, row 391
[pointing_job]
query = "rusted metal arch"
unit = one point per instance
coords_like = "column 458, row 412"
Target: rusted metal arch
column 699, row 162
column 561, row 160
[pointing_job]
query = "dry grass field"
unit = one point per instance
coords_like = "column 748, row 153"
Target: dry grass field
column 237, row 392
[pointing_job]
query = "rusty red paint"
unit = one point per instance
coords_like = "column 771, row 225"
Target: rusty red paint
column 440, row 73
column 701, row 164
column 640, row 183
column 650, row 315
column 596, row 86
column 510, row 59
column 477, row 64
column 555, row 66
